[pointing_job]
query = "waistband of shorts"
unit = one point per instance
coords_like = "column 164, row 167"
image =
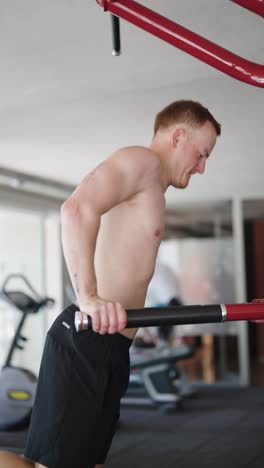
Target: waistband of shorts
column 124, row 339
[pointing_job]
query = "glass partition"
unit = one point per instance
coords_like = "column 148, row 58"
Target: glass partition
column 198, row 260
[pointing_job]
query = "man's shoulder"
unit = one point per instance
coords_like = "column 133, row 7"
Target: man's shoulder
column 137, row 155
column 135, row 149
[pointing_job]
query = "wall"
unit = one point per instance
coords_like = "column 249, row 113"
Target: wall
column 64, row 141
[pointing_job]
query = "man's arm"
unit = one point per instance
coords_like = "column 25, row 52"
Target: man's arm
column 122, row 176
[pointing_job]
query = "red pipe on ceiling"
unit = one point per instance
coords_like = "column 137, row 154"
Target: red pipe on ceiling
column 190, row 42
column 256, row 6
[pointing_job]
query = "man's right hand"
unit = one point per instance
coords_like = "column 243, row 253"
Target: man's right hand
column 107, row 316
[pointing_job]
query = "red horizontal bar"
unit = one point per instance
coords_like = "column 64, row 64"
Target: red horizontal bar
column 256, row 6
column 184, row 39
column 253, row 311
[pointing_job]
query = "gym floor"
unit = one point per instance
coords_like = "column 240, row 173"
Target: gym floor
column 219, row 427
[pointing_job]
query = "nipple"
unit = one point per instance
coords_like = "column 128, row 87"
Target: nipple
column 157, row 233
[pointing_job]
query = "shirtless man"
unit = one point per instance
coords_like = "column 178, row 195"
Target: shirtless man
column 112, row 226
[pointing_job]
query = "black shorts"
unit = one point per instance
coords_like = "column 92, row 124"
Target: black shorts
column 82, row 378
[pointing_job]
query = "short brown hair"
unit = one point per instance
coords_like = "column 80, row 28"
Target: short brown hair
column 185, row 111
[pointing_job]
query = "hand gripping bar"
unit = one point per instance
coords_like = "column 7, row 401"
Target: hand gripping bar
column 183, row 315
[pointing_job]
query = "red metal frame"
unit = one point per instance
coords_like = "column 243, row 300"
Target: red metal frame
column 256, row 6
column 190, row 42
column 253, row 311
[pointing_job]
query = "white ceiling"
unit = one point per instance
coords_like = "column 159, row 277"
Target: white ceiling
column 66, row 102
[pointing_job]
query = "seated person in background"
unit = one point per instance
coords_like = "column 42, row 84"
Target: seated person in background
column 152, row 337
column 166, row 332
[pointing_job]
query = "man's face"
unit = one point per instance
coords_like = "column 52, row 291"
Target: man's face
column 192, row 153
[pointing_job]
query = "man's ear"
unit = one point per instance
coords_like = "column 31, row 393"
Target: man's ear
column 177, row 136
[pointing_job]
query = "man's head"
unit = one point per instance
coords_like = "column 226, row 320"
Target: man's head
column 185, row 133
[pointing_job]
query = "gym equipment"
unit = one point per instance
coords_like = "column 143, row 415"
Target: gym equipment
column 155, row 380
column 18, row 385
column 155, row 377
column 190, row 42
column 183, row 315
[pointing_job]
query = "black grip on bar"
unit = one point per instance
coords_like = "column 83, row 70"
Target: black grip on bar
column 156, row 316
column 116, row 35
column 178, row 315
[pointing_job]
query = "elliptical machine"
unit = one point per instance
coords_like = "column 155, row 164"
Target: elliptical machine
column 18, row 385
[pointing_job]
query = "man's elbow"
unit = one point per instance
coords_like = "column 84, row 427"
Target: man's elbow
column 74, row 210
column 70, row 209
